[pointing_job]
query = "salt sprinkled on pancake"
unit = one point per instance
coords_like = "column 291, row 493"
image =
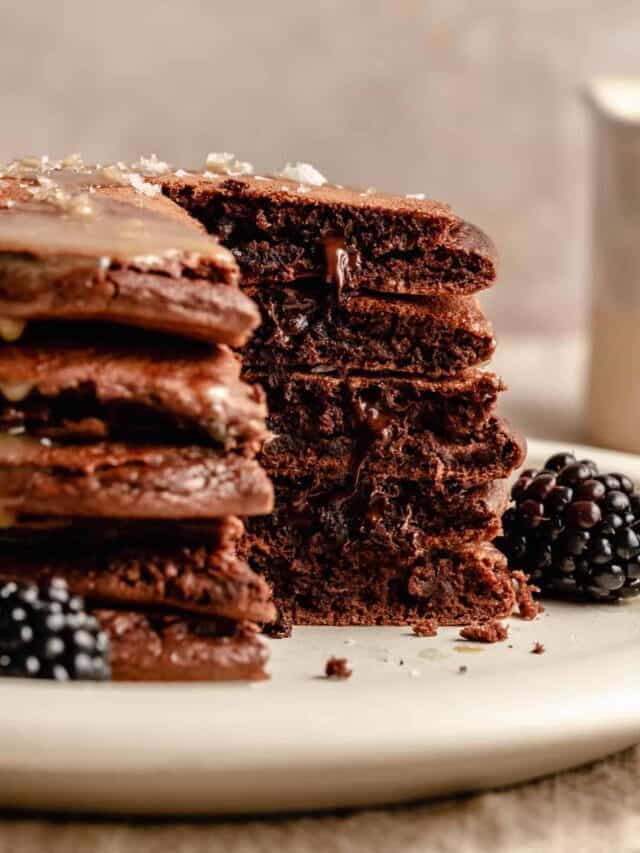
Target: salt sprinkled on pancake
column 224, row 163
column 304, row 173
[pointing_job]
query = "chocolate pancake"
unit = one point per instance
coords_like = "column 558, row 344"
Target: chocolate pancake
column 129, row 388
column 159, row 647
column 281, row 230
column 432, row 336
column 317, row 407
column 377, row 518
column 452, row 586
column 85, row 243
column 130, row 565
column 128, row 481
column 491, row 453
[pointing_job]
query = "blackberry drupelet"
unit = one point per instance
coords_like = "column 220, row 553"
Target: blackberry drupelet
column 48, row 634
column 576, row 532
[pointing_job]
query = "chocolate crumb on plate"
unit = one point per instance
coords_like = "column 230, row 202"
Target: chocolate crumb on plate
column 425, row 628
column 338, row 668
column 462, row 670
column 485, row 632
column 538, row 649
column 528, row 607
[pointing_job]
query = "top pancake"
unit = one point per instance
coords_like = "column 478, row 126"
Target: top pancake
column 281, row 230
column 79, row 242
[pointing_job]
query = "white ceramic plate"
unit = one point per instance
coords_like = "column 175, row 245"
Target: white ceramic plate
column 408, row 724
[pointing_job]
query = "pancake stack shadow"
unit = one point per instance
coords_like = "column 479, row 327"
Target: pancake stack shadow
column 388, row 458
column 128, row 438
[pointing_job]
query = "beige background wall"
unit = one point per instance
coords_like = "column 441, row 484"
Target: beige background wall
column 474, row 103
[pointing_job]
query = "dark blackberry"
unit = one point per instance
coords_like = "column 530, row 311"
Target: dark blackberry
column 531, row 513
column 48, row 634
column 575, row 474
column 574, row 530
column 560, row 461
column 601, row 550
column 591, row 465
column 521, row 486
column 616, row 501
column 590, row 490
column 558, row 499
column 541, row 487
column 626, row 484
column 609, row 481
column 583, row 514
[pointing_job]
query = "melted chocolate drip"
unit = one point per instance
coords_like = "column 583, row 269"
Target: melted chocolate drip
column 340, row 262
column 375, row 423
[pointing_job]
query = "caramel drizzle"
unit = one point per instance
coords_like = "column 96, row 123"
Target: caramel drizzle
column 98, row 213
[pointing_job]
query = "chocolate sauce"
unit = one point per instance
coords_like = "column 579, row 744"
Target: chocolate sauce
column 340, row 262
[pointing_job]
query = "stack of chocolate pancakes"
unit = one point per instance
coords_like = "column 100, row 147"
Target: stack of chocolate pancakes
column 128, row 444
column 387, row 455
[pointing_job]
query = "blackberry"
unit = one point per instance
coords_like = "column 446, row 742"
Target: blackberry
column 48, row 634
column 575, row 531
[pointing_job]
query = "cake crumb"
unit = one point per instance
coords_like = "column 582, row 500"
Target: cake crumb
column 528, row 607
column 538, row 649
column 425, row 628
column 338, row 668
column 462, row 670
column 485, row 632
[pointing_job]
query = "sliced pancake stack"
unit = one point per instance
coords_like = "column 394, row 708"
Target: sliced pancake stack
column 388, row 458
column 128, row 439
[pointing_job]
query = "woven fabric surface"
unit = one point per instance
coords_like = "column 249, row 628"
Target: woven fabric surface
column 591, row 810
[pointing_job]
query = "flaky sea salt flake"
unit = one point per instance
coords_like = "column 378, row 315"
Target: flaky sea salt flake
column 141, row 186
column 225, row 163
column 151, row 165
column 304, row 173
column 72, row 161
column 115, row 173
column 34, row 162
